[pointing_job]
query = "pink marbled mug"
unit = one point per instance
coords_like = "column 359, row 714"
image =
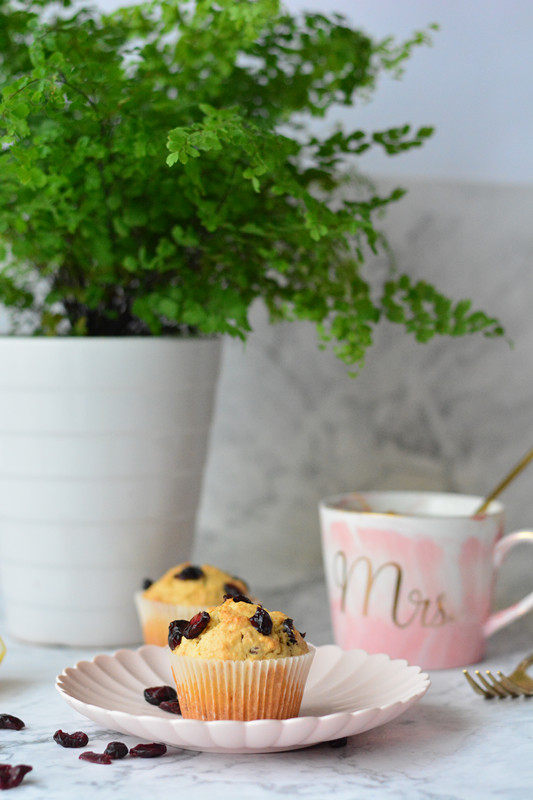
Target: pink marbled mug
column 416, row 583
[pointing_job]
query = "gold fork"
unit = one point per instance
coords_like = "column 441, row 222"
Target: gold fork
column 513, row 685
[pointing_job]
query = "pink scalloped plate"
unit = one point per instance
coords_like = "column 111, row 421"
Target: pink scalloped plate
column 347, row 692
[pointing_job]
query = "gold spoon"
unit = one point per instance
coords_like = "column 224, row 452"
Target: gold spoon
column 522, row 464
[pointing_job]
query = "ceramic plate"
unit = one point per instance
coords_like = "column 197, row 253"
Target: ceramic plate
column 347, row 692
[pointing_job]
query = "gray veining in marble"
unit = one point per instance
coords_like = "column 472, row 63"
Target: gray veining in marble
column 451, row 746
column 454, row 414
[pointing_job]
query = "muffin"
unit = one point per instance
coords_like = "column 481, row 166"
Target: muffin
column 180, row 593
column 239, row 661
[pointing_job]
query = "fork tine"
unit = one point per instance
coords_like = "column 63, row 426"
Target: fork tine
column 475, row 686
column 486, row 685
column 499, row 686
column 518, row 688
column 511, row 687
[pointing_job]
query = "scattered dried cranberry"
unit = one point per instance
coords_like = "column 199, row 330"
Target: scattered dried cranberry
column 7, row 721
column 95, row 758
column 152, row 750
column 237, row 598
column 77, row 739
column 262, row 621
column 11, row 776
column 175, row 632
column 196, row 625
column 288, row 627
column 147, row 582
column 190, row 573
column 172, row 706
column 116, row 750
column 336, row 743
column 156, row 694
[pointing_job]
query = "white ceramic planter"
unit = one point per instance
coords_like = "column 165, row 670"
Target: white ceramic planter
column 102, row 447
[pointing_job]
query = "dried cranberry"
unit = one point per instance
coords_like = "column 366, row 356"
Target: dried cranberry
column 232, row 590
column 152, row 750
column 156, row 694
column 95, row 758
column 77, row 739
column 172, row 706
column 235, row 578
column 237, row 598
column 262, row 621
column 196, row 625
column 288, row 627
column 188, row 628
column 175, row 632
column 11, row 776
column 13, row 723
column 336, row 743
column 147, row 583
column 190, row 573
column 116, row 750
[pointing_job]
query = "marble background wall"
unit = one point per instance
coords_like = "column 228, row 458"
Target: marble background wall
column 454, row 414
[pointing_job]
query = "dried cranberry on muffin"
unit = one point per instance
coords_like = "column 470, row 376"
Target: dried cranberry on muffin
column 239, row 661
column 238, row 630
column 182, row 591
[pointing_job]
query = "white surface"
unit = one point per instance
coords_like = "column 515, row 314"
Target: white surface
column 346, row 693
column 452, row 745
column 102, row 445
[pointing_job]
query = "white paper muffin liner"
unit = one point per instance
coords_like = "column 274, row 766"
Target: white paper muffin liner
column 212, row 689
column 155, row 617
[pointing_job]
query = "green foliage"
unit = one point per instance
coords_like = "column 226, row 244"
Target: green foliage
column 157, row 175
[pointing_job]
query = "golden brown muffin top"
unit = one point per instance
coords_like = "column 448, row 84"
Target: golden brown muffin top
column 187, row 584
column 237, row 630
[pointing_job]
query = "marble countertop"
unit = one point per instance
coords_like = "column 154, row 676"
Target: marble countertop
column 453, row 744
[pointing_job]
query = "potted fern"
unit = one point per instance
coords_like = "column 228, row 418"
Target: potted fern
column 156, row 178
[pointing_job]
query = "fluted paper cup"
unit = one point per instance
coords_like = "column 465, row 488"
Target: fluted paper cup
column 212, row 689
column 155, row 617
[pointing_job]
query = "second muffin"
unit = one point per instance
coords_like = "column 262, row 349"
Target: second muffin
column 181, row 592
